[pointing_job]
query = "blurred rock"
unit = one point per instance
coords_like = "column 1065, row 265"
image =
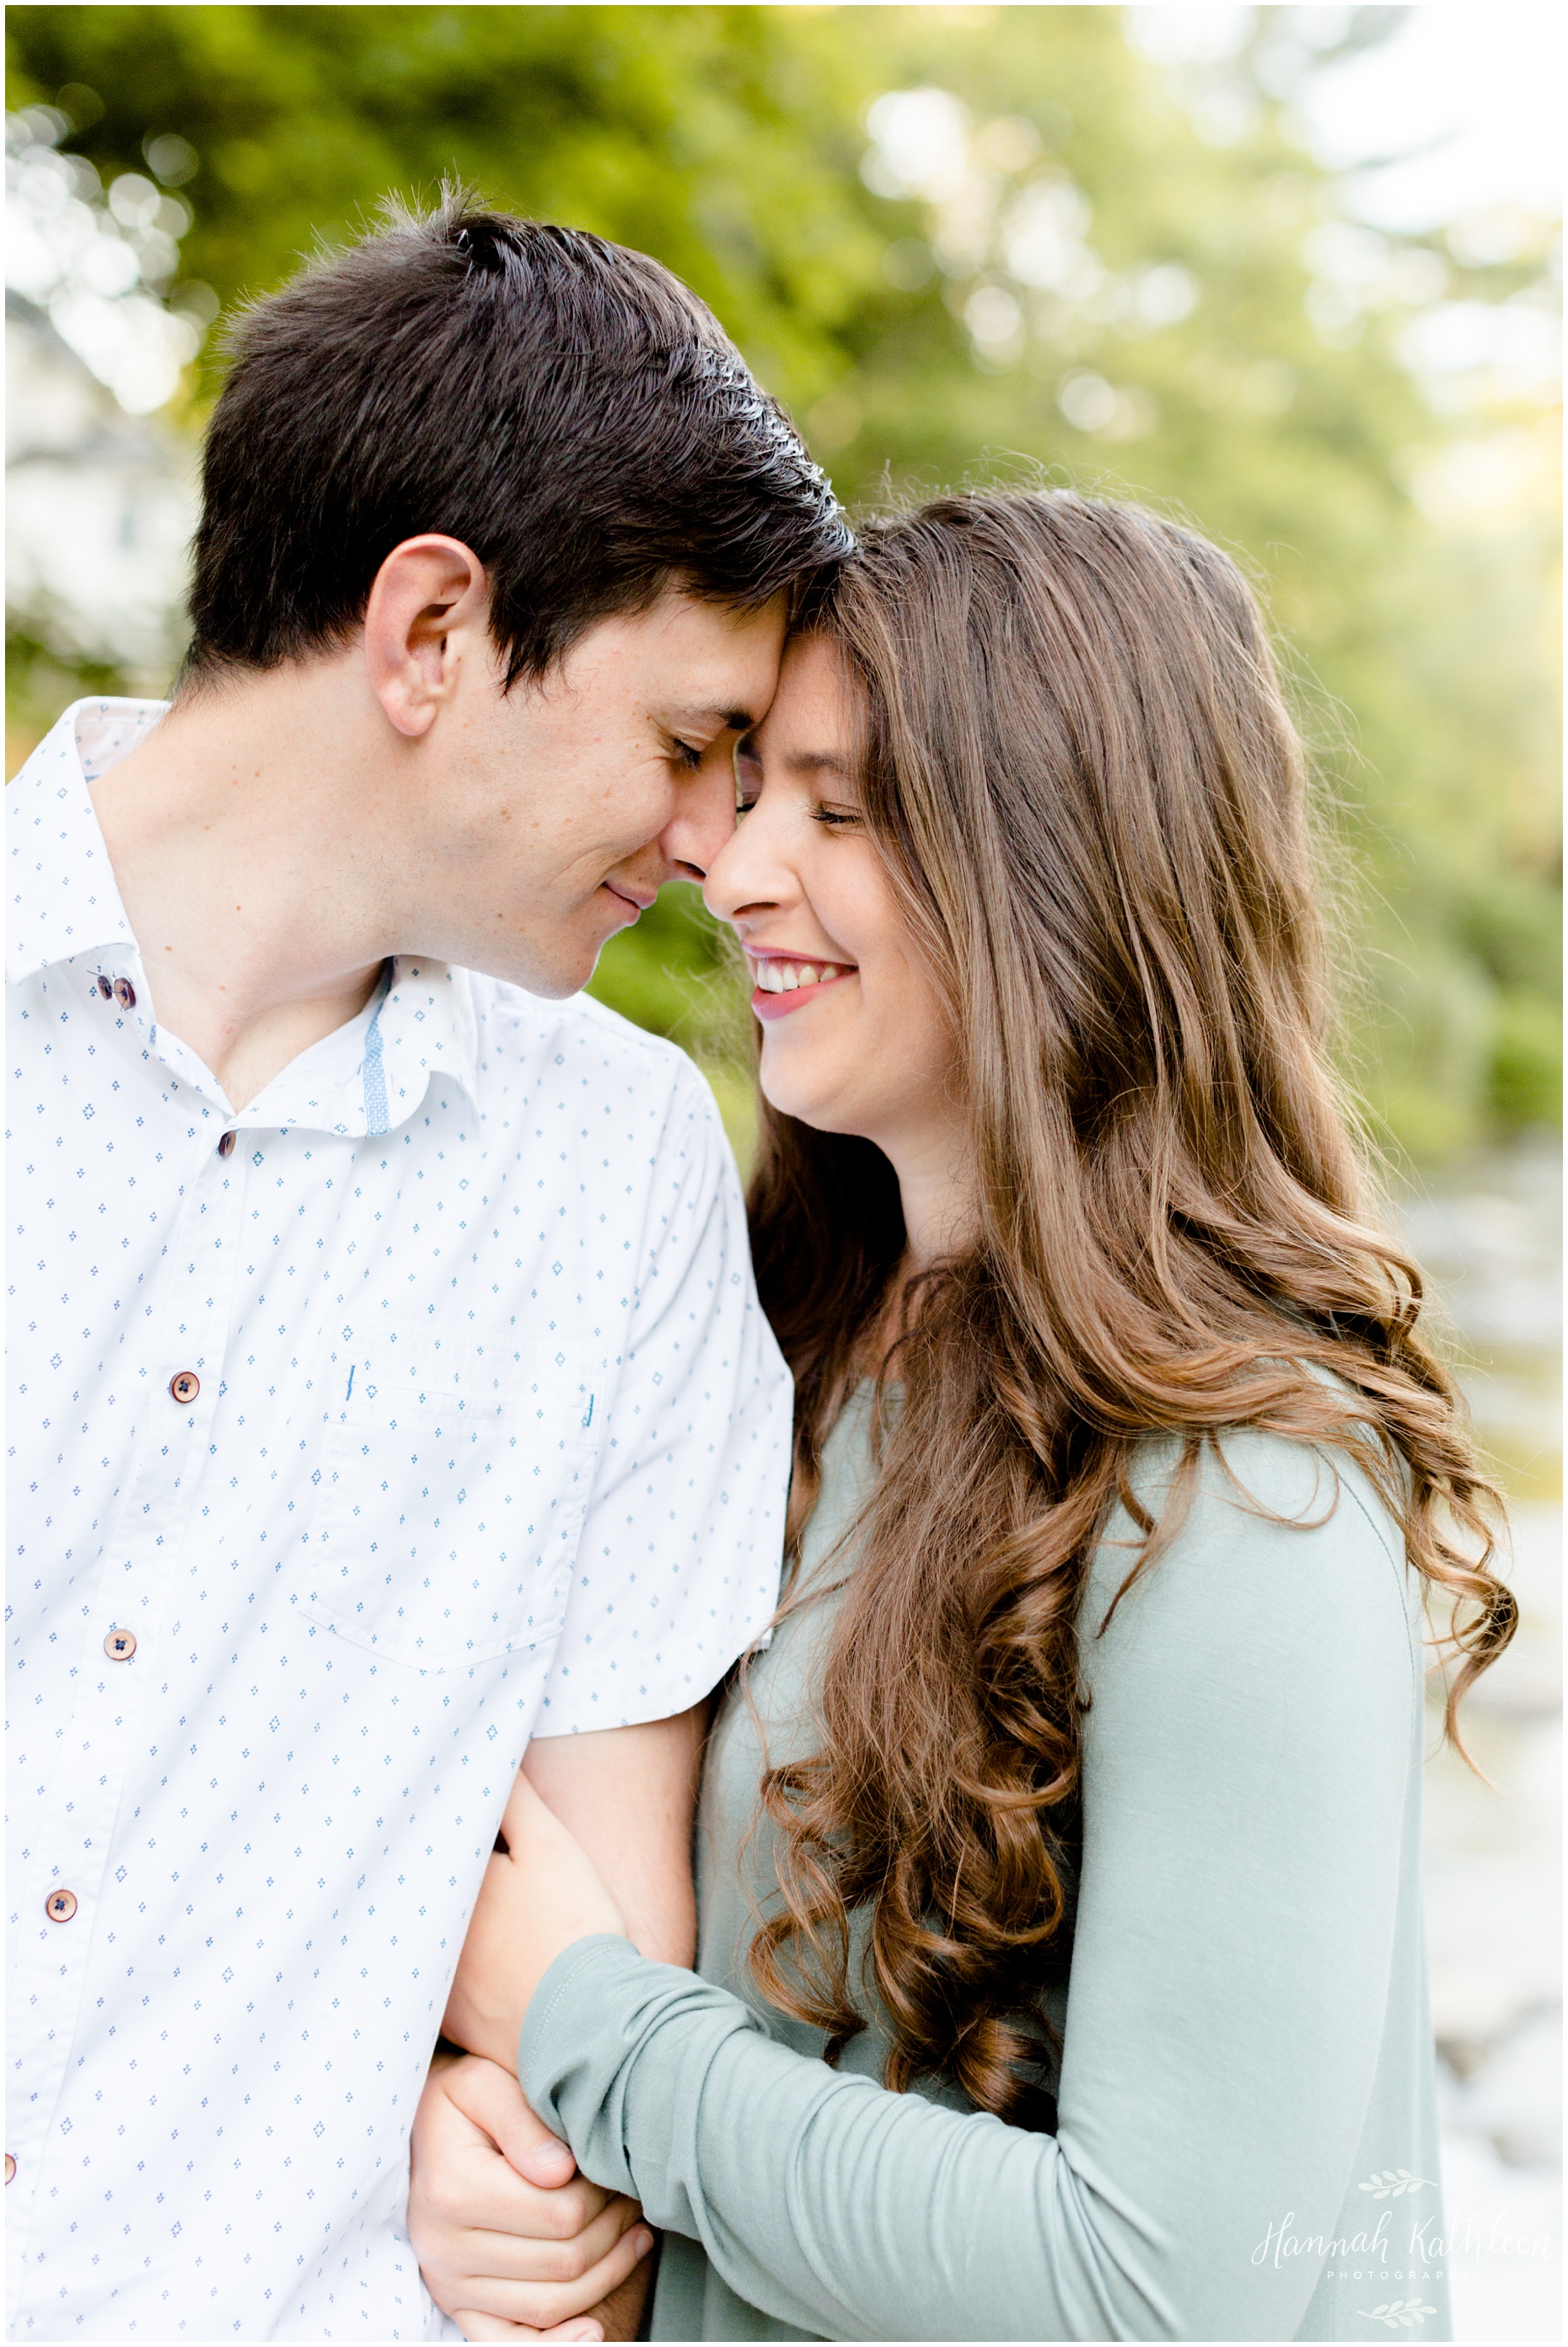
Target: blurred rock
column 1504, row 2229
column 1489, row 1242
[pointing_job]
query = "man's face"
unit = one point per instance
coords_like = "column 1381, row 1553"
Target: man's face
column 555, row 812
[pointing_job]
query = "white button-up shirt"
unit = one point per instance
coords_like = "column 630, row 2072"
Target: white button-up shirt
column 431, row 1410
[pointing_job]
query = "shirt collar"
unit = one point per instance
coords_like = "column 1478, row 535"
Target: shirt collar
column 426, row 1027
column 367, row 1078
column 371, row 1076
column 64, row 900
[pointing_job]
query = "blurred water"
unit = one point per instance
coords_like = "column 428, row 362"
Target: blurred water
column 1490, row 1240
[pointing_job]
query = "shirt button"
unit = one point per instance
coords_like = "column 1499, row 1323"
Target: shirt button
column 10, row 2168
column 107, row 991
column 125, row 993
column 120, row 1645
column 185, row 1386
column 60, row 1906
column 226, row 1146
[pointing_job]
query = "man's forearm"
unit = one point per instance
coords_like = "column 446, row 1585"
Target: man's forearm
column 609, row 1815
column 622, row 2312
column 629, row 1795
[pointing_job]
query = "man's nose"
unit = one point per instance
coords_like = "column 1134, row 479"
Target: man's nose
column 704, row 821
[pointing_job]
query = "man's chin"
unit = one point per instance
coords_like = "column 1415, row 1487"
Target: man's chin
column 547, row 988
column 553, row 981
column 553, row 973
column 552, row 962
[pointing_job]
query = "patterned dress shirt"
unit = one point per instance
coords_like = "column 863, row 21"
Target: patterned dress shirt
column 422, row 1405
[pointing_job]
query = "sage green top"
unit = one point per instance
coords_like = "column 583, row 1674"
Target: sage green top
column 1246, row 2144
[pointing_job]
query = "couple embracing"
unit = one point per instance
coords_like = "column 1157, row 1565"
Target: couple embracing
column 883, row 1722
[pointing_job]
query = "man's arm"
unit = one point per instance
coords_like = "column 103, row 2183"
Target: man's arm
column 630, row 1795
column 627, row 1795
column 695, row 1451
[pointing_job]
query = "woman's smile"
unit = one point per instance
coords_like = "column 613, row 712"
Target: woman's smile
column 783, row 981
column 808, row 894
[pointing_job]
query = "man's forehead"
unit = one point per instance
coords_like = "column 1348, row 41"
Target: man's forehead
column 696, row 664
column 726, row 684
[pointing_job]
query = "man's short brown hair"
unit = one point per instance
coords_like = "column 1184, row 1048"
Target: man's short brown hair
column 564, row 406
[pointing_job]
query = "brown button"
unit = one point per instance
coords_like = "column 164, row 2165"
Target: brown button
column 60, row 1906
column 10, row 2168
column 226, row 1146
column 107, row 991
column 120, row 1645
column 185, row 1386
column 125, row 993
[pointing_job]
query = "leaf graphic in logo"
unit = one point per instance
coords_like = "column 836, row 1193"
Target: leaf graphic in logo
column 1393, row 2183
column 1397, row 2314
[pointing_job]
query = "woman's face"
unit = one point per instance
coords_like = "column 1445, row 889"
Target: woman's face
column 856, row 1036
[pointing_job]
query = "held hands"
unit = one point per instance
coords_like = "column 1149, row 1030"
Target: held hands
column 512, row 2242
column 538, row 1895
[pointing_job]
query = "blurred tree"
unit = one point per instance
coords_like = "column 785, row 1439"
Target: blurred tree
column 960, row 241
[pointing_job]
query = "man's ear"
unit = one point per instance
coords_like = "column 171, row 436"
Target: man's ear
column 428, row 610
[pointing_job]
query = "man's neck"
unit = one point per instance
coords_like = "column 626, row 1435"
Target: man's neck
column 242, row 844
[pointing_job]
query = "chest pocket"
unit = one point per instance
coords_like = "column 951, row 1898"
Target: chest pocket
column 454, row 1485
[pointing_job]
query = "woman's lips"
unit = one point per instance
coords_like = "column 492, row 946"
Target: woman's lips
column 779, row 1005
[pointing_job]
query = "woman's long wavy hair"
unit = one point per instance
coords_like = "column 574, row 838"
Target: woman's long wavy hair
column 1080, row 771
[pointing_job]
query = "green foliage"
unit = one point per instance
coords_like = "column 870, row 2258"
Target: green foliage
column 731, row 140
column 678, row 972
column 1525, row 1077
column 39, row 683
column 674, row 971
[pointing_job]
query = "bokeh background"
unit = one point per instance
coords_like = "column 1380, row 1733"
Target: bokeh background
column 1291, row 272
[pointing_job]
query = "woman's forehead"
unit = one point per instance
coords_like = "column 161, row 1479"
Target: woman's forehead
column 812, row 719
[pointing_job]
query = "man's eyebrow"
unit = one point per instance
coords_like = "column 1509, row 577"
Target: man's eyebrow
column 738, row 721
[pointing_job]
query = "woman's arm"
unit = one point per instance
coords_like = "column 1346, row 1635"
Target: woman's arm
column 1247, row 1767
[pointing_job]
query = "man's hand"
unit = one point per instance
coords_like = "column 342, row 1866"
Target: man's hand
column 512, row 2242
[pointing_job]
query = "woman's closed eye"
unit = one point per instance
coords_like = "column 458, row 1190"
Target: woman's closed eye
column 834, row 817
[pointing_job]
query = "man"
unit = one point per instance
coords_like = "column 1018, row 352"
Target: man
column 389, row 1387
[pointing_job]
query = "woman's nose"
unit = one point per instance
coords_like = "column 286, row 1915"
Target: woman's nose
column 747, row 873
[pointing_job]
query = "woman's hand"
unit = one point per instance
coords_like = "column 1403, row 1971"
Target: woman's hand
column 538, row 1895
column 512, row 2242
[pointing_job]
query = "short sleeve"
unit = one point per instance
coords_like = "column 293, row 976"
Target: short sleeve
column 677, row 1570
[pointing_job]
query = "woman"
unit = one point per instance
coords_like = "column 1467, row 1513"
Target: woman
column 1061, row 1971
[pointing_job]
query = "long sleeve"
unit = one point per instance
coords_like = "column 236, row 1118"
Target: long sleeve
column 1247, row 1788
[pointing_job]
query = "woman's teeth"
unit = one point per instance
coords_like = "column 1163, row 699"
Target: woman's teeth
column 785, row 977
